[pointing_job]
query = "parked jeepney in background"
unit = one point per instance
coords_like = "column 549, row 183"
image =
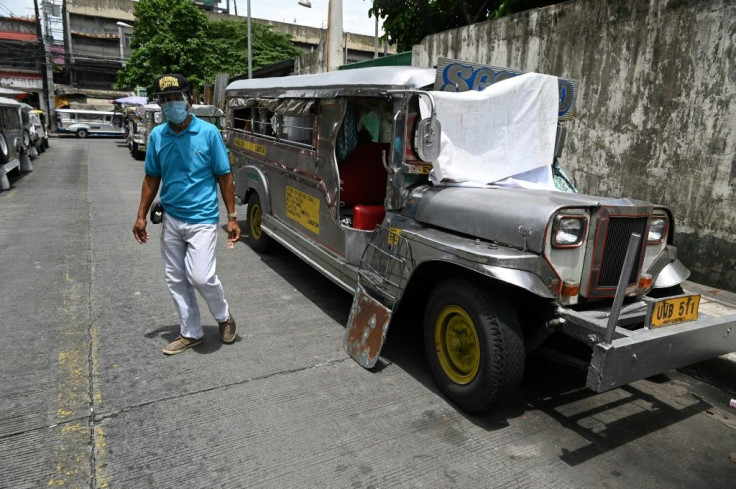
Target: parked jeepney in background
column 209, row 113
column 38, row 118
column 149, row 116
column 412, row 194
column 13, row 152
column 146, row 118
column 128, row 122
column 30, row 136
column 85, row 123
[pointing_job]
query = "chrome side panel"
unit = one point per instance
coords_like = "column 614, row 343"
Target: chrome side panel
column 417, row 246
column 323, row 260
column 251, row 178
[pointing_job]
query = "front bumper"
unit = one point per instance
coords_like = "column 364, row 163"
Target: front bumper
column 637, row 353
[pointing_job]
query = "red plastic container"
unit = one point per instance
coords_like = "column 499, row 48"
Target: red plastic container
column 367, row 217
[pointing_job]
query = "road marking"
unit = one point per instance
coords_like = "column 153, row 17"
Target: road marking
column 81, row 454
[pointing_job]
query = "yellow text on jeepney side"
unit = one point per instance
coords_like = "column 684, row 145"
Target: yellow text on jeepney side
column 303, row 208
column 247, row 145
column 393, row 236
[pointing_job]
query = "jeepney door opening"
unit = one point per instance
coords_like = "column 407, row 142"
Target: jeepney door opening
column 362, row 151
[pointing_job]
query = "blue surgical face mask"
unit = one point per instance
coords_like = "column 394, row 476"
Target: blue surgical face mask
column 175, row 112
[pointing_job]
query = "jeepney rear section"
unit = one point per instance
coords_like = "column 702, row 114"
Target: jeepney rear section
column 570, row 255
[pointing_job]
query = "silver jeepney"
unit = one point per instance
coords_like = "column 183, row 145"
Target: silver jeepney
column 335, row 167
column 146, row 118
column 14, row 141
column 150, row 115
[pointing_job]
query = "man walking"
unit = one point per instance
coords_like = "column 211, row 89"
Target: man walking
column 187, row 158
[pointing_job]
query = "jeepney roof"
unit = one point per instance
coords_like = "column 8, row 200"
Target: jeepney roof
column 341, row 82
column 9, row 101
column 150, row 107
column 206, row 110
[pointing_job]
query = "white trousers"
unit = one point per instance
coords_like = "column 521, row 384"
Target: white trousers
column 189, row 258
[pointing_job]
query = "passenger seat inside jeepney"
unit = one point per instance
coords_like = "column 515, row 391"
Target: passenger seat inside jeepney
column 361, row 141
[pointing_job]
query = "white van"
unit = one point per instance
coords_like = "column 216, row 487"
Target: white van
column 85, row 123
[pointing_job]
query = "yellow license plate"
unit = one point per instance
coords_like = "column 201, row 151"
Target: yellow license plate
column 675, row 310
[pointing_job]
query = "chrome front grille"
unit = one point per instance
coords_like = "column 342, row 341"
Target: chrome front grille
column 618, row 234
column 614, row 228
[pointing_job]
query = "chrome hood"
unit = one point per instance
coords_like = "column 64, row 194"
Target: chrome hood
column 515, row 217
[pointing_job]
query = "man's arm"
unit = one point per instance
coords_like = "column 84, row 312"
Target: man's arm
column 148, row 193
column 227, row 190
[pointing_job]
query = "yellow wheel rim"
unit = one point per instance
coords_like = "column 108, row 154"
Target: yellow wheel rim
column 457, row 344
column 254, row 218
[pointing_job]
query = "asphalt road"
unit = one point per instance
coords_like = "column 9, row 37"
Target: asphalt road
column 89, row 400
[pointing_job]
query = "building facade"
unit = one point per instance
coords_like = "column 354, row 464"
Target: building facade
column 21, row 62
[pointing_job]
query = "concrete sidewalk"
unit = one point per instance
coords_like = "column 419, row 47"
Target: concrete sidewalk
column 720, row 371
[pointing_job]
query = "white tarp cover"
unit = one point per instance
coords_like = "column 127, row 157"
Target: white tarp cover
column 507, row 130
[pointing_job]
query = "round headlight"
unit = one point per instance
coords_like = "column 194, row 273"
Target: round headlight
column 569, row 231
column 657, row 230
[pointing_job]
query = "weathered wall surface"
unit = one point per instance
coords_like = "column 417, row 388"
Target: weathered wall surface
column 656, row 109
column 113, row 9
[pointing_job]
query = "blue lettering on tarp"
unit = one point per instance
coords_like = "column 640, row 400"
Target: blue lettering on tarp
column 455, row 76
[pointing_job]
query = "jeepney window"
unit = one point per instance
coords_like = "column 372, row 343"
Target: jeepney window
column 243, row 120
column 366, row 120
column 262, row 122
column 286, row 120
column 297, row 129
column 10, row 117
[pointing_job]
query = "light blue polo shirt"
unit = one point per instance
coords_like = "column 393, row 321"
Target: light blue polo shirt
column 188, row 164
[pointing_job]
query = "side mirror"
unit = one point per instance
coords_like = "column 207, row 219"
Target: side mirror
column 428, row 139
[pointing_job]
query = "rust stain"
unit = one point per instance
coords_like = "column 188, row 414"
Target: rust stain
column 366, row 330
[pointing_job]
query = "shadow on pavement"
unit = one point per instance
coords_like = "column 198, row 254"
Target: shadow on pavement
column 606, row 421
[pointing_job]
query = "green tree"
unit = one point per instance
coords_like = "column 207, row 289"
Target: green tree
column 407, row 22
column 228, row 47
column 174, row 36
column 168, row 36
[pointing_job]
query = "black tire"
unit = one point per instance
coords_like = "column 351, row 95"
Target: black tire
column 4, row 150
column 256, row 238
column 474, row 345
column 82, row 133
column 137, row 153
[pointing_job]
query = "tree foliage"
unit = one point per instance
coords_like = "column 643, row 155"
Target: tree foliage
column 229, row 47
column 174, row 36
column 407, row 22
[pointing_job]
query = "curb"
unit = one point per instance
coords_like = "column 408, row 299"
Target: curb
column 720, row 371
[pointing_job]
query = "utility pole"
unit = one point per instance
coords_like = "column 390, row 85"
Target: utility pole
column 47, row 100
column 334, row 35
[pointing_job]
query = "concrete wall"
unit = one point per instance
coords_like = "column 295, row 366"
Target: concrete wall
column 656, row 113
column 113, row 9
